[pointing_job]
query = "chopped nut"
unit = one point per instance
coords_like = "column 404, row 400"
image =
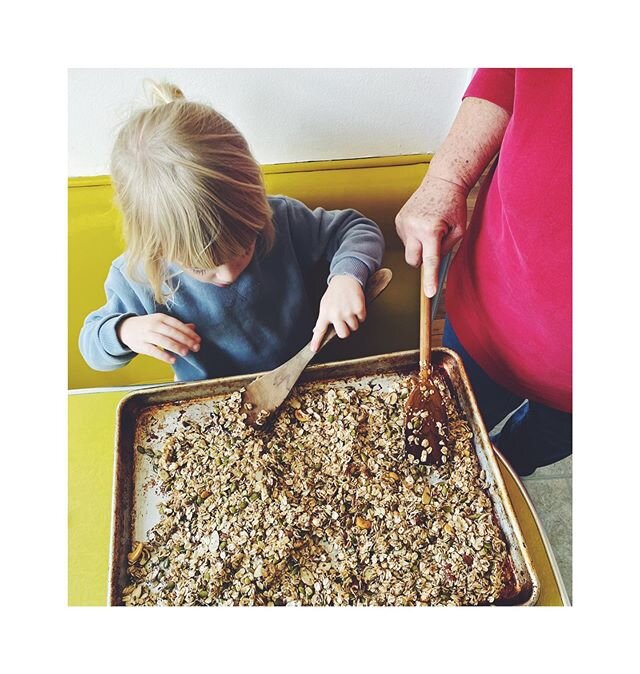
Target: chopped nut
column 363, row 523
column 135, row 554
column 301, row 416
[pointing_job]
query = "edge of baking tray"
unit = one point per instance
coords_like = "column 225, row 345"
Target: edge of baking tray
column 485, row 440
column 156, row 393
column 543, row 535
column 170, row 393
column 114, row 502
column 115, row 499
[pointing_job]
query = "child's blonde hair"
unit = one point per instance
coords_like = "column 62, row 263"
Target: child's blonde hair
column 190, row 191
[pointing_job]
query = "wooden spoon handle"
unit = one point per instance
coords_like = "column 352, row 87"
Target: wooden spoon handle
column 425, row 325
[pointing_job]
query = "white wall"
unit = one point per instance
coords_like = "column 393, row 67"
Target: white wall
column 286, row 115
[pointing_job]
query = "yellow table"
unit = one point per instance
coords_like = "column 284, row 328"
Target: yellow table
column 91, row 448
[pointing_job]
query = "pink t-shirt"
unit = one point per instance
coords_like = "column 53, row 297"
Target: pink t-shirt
column 509, row 287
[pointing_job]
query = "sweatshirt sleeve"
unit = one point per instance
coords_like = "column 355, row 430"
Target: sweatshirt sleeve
column 496, row 85
column 99, row 342
column 351, row 243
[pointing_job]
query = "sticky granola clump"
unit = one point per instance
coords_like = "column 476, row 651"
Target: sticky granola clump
column 323, row 507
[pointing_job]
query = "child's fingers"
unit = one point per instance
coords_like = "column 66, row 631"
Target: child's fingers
column 186, row 329
column 160, row 339
column 192, row 326
column 319, row 333
column 196, row 346
column 188, row 340
column 316, row 340
column 155, row 352
column 352, row 322
column 341, row 328
column 174, row 335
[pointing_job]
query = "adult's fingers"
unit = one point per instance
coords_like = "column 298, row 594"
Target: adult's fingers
column 450, row 240
column 413, row 252
column 431, row 262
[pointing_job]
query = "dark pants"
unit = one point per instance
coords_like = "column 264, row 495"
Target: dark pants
column 534, row 436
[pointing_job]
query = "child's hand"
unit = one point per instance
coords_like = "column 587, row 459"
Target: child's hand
column 342, row 305
column 146, row 334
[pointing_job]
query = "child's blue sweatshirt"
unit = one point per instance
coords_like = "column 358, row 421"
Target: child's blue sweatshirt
column 263, row 318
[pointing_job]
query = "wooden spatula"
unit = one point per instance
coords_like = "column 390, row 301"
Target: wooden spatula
column 264, row 395
column 425, row 431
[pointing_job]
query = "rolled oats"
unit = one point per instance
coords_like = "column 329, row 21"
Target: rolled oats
column 321, row 507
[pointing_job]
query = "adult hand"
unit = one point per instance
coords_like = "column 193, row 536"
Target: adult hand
column 343, row 305
column 430, row 224
column 158, row 334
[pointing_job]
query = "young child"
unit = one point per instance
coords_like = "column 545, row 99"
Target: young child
column 212, row 278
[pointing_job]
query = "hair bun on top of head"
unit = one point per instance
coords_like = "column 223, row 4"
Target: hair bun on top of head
column 162, row 92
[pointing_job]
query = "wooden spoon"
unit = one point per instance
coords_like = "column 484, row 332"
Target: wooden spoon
column 425, row 430
column 266, row 393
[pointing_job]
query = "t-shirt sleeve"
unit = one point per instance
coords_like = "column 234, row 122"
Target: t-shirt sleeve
column 496, row 85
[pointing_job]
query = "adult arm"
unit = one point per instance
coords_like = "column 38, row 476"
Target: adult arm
column 434, row 218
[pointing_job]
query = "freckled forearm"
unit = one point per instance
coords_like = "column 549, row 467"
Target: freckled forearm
column 472, row 142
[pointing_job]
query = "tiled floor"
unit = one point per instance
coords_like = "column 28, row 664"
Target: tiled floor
column 550, row 491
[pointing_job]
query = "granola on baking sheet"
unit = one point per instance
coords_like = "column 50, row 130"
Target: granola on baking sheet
column 324, row 507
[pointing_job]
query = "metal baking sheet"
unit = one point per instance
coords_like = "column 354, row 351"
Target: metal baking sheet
column 135, row 497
